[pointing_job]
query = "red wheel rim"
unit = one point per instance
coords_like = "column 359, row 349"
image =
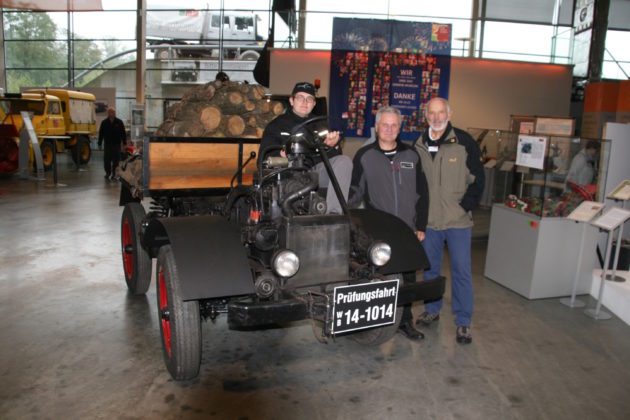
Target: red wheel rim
column 164, row 316
column 127, row 248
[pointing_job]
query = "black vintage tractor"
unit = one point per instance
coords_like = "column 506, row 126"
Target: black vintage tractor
column 265, row 252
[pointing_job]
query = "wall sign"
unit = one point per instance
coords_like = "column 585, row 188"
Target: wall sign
column 387, row 62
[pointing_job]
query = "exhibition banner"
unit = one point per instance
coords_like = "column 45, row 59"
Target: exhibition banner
column 385, row 62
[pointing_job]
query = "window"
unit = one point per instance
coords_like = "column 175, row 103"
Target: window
column 53, row 108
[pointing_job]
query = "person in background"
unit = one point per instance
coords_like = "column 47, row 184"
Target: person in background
column 451, row 160
column 582, row 168
column 302, row 101
column 112, row 132
column 222, row 77
column 387, row 175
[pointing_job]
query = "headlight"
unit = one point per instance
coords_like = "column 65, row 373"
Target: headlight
column 379, row 253
column 286, row 263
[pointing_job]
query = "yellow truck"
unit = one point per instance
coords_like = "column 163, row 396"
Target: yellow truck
column 61, row 118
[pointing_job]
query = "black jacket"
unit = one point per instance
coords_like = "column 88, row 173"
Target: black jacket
column 278, row 131
column 397, row 186
column 113, row 132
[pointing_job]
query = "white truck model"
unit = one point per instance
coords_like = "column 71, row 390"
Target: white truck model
column 181, row 33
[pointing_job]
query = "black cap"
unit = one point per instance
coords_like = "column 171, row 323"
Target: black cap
column 305, row 87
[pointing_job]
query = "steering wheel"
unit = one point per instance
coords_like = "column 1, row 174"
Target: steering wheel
column 305, row 133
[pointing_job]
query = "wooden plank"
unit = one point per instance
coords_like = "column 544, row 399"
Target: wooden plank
column 197, row 165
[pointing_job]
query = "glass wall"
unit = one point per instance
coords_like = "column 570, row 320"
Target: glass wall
column 188, row 42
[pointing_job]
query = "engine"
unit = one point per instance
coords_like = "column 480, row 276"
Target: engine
column 291, row 242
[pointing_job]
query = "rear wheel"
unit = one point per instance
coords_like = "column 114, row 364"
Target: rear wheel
column 48, row 154
column 249, row 55
column 84, row 151
column 136, row 261
column 180, row 323
column 165, row 53
column 380, row 335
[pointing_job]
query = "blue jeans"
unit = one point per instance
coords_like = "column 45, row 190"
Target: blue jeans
column 458, row 241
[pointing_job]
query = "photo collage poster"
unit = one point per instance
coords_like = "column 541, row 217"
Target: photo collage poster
column 386, row 62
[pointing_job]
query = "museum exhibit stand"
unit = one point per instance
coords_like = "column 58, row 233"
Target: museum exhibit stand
column 616, row 295
column 534, row 249
column 613, row 219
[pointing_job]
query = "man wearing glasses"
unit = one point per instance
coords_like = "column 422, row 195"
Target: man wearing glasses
column 277, row 132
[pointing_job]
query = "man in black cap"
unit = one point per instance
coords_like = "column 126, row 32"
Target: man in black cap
column 277, row 132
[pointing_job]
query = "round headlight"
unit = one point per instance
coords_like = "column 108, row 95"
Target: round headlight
column 286, row 263
column 380, row 253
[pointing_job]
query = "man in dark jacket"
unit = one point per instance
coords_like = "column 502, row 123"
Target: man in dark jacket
column 388, row 176
column 277, row 132
column 452, row 163
column 112, row 131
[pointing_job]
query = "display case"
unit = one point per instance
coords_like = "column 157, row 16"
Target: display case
column 541, row 174
column 532, row 247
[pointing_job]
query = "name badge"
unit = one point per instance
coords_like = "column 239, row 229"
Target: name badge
column 433, row 148
column 406, row 165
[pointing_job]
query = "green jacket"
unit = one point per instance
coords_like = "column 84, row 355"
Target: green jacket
column 455, row 177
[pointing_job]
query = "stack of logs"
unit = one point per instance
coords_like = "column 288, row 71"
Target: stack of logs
column 221, row 109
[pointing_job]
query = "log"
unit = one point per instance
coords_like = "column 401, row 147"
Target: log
column 235, row 98
column 210, row 118
column 209, row 111
column 277, row 108
column 258, row 92
column 235, row 125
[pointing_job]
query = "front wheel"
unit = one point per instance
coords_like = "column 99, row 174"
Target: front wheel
column 380, row 335
column 136, row 261
column 48, row 153
column 180, row 323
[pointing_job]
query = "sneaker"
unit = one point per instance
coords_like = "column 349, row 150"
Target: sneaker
column 463, row 335
column 427, row 318
column 410, row 331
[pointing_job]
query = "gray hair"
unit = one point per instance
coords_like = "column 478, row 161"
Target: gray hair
column 426, row 108
column 388, row 110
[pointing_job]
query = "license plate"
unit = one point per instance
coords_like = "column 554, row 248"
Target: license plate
column 365, row 305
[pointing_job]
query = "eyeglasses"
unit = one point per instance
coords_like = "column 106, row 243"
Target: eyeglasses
column 301, row 99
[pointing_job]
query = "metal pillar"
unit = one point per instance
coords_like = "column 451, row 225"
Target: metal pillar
column 141, row 56
column 598, row 40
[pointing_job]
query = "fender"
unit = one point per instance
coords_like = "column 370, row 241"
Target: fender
column 407, row 252
column 210, row 257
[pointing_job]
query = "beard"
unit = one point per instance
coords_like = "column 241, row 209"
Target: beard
column 438, row 127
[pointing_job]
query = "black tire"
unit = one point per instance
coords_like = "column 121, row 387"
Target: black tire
column 84, row 151
column 180, row 322
column 136, row 260
column 379, row 335
column 48, row 154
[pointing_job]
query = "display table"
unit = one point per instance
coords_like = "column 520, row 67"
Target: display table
column 536, row 256
column 616, row 295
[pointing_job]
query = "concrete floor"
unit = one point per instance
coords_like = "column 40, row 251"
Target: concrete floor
column 76, row 345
